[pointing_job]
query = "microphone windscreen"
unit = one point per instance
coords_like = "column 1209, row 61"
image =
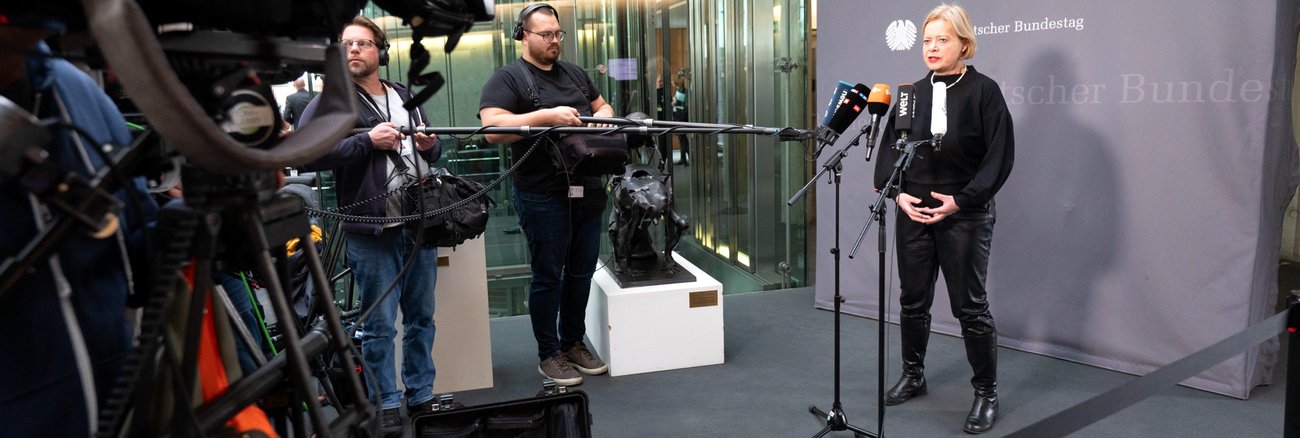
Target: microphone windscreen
column 939, row 110
column 838, row 96
column 906, row 110
column 850, row 108
column 879, row 99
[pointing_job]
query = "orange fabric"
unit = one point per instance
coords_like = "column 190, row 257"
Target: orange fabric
column 212, row 373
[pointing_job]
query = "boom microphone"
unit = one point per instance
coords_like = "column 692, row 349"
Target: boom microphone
column 877, row 105
column 939, row 113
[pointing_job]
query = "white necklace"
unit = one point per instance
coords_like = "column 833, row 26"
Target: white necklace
column 963, row 74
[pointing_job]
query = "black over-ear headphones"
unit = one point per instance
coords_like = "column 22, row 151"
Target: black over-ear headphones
column 380, row 38
column 523, row 15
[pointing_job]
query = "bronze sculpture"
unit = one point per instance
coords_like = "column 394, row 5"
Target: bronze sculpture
column 643, row 196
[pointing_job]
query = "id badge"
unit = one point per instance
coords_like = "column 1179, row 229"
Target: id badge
column 575, row 191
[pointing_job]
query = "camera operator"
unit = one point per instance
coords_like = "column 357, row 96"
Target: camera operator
column 366, row 166
column 64, row 324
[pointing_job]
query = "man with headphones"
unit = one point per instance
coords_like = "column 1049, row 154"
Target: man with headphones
column 561, row 215
column 368, row 166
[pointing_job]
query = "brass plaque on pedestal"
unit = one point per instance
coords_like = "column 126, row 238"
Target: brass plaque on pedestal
column 704, row 298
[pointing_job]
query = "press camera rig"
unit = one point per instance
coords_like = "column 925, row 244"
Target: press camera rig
column 199, row 71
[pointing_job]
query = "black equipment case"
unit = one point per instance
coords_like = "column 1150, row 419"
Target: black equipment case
column 555, row 412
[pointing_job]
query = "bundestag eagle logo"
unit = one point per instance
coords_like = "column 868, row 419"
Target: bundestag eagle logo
column 900, row 35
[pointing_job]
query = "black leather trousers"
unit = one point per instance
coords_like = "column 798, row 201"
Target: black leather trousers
column 959, row 246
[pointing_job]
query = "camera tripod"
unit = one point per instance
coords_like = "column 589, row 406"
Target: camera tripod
column 232, row 223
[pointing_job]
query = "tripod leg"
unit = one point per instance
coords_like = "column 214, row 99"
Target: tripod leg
column 298, row 373
column 342, row 344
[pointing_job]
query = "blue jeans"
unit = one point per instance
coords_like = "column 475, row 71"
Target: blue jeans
column 563, row 242
column 375, row 262
column 243, row 303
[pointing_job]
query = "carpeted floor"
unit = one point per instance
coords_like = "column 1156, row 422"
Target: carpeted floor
column 779, row 361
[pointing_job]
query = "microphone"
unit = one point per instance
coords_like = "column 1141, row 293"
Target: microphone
column 939, row 113
column 850, row 107
column 838, row 96
column 877, row 104
column 905, row 114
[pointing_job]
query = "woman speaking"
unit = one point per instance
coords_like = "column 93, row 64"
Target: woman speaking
column 945, row 209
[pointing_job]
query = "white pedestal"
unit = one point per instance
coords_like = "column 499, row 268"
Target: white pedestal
column 462, row 346
column 656, row 328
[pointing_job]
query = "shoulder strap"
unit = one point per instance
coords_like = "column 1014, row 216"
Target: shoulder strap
column 577, row 78
column 371, row 106
column 528, row 78
column 398, row 163
column 568, row 68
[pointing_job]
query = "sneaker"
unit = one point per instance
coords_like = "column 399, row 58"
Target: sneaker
column 584, row 360
column 419, row 408
column 392, row 423
column 557, row 368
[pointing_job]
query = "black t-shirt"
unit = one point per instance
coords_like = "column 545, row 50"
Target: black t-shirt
column 556, row 87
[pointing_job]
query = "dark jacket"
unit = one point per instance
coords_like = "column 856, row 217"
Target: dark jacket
column 40, row 392
column 294, row 105
column 360, row 171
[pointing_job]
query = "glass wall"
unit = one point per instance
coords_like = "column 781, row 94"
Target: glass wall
column 748, row 60
column 740, row 62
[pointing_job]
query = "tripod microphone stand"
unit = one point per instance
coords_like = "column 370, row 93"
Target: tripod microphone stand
column 835, row 418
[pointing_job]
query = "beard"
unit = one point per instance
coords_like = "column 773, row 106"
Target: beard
column 544, row 55
column 364, row 70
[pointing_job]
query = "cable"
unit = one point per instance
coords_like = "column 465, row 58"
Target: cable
column 78, row 341
column 258, row 313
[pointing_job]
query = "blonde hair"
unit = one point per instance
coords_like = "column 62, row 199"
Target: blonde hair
column 956, row 17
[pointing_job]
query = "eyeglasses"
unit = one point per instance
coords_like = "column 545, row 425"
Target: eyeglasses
column 361, row 44
column 546, row 36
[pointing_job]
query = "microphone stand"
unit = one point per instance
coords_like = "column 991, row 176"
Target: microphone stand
column 909, row 151
column 878, row 215
column 835, row 418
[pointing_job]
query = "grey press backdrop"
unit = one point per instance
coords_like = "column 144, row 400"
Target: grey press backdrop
column 1154, row 159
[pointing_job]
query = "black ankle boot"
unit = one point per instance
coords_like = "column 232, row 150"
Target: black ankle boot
column 982, row 352
column 982, row 413
column 907, row 388
column 915, row 334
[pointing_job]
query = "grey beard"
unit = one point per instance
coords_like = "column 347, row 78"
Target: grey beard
column 365, row 71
